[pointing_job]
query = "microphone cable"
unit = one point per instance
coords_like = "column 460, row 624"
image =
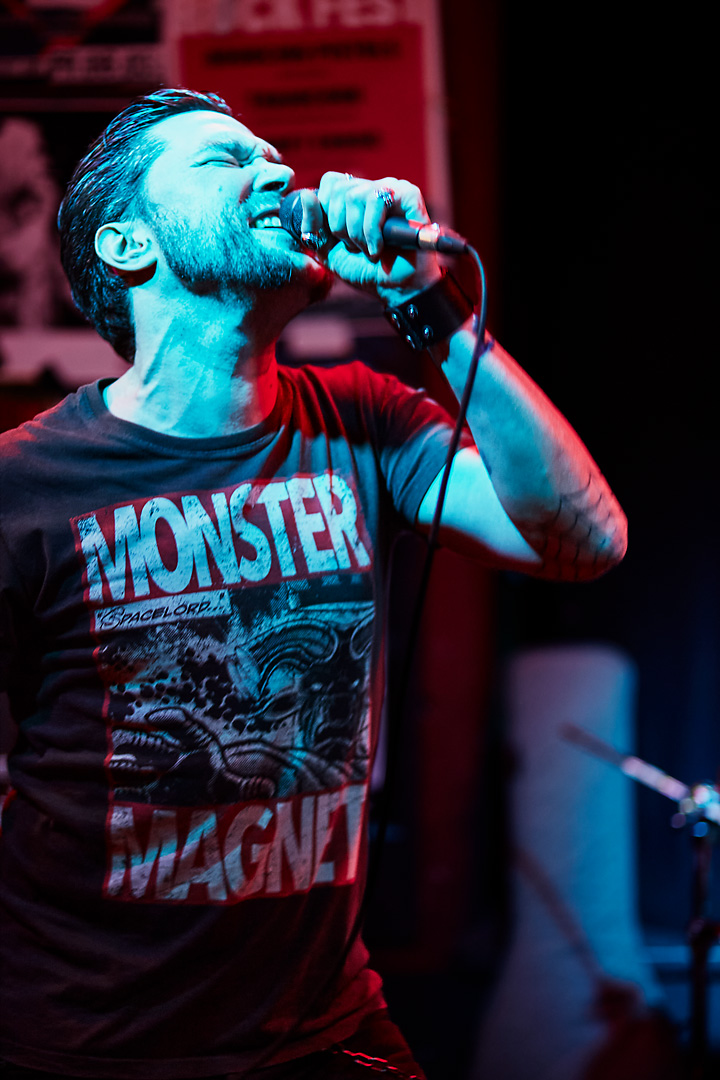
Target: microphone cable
column 395, row 725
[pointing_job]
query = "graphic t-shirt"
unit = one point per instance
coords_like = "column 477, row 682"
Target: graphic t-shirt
column 192, row 645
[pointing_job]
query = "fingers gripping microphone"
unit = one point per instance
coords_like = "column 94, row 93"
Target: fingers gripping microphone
column 397, row 232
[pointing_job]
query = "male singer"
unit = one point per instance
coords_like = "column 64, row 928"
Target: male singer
column 193, row 563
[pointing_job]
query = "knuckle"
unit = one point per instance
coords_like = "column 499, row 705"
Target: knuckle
column 336, row 218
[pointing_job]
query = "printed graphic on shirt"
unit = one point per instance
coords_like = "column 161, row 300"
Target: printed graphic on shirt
column 225, row 854
column 236, row 632
column 148, row 561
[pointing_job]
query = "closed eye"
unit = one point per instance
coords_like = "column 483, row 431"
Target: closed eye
column 223, row 161
column 241, row 160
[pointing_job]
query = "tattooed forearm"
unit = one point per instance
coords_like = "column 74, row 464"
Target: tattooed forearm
column 542, row 473
column 585, row 537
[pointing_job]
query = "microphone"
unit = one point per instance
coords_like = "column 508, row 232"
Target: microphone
column 397, row 232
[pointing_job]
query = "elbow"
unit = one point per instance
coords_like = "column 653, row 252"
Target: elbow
column 614, row 538
column 608, row 550
column 619, row 540
column 571, row 558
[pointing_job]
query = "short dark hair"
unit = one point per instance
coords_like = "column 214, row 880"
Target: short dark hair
column 105, row 187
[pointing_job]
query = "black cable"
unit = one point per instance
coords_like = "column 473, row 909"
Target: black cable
column 395, row 727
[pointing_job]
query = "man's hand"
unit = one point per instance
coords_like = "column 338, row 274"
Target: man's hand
column 350, row 213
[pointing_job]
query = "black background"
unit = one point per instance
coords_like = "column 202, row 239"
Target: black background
column 608, row 295
column 599, row 121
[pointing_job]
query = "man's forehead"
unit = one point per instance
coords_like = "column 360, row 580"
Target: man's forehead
column 191, row 130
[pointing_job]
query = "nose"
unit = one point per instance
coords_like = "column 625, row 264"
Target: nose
column 272, row 176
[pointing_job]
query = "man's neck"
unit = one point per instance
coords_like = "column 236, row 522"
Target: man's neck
column 197, row 374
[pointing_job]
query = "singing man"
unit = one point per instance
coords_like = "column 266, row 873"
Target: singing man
column 193, row 564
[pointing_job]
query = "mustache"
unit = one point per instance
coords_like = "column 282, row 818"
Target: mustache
column 260, row 203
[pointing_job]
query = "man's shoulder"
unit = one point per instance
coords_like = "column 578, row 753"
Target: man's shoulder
column 337, row 375
column 42, row 432
column 351, row 381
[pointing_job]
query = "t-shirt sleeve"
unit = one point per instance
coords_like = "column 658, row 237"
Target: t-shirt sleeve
column 414, row 433
column 9, row 631
column 19, row 642
column 10, row 653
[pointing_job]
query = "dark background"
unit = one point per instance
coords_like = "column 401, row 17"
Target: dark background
column 608, row 296
column 590, row 128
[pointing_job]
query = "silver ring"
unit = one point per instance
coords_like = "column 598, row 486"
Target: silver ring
column 314, row 241
column 387, row 195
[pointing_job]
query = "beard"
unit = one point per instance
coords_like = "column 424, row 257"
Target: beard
column 223, row 259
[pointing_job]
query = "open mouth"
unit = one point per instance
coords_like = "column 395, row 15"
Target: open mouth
column 268, row 219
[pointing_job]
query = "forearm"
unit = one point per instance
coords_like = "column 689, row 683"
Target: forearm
column 543, row 475
column 545, row 480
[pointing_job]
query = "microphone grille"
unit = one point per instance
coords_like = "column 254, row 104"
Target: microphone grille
column 291, row 213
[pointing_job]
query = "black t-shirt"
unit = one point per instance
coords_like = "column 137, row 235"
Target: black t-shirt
column 191, row 638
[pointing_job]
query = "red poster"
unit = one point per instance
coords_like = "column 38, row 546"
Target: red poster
column 348, row 100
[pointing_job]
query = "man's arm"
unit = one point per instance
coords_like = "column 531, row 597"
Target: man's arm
column 532, row 498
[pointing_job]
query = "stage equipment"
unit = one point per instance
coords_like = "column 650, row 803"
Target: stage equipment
column 576, row 997
column 698, row 810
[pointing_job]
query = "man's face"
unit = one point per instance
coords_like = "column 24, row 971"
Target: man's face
column 211, row 198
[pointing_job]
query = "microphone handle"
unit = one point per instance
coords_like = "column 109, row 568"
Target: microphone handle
column 399, row 233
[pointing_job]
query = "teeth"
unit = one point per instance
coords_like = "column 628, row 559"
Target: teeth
column 271, row 222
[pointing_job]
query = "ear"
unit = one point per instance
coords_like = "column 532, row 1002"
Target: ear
column 126, row 246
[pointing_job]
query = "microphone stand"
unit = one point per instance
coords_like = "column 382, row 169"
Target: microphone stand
column 703, row 932
column 698, row 808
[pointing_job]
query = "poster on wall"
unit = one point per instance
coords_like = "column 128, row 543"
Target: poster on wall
column 58, row 44
column 334, row 80
column 342, row 100
column 66, row 68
